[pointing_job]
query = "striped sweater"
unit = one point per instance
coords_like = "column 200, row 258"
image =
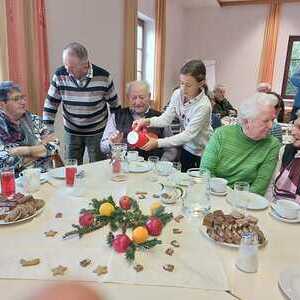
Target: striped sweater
column 85, row 110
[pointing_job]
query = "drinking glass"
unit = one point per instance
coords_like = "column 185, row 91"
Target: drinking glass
column 31, row 180
column 8, row 184
column 197, row 200
column 71, row 171
column 118, row 163
column 241, row 198
column 153, row 160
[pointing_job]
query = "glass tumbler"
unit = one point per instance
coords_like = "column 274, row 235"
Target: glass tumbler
column 241, row 197
column 70, row 171
column 197, row 200
column 8, row 184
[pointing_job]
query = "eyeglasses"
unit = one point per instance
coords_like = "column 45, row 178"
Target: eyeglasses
column 17, row 98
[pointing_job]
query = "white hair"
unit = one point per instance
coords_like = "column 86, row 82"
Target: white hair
column 220, row 87
column 253, row 106
column 142, row 83
column 263, row 87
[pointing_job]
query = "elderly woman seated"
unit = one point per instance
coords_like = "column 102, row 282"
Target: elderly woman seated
column 287, row 182
column 23, row 138
column 246, row 151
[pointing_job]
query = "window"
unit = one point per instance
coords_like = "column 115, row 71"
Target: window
column 140, row 50
column 292, row 63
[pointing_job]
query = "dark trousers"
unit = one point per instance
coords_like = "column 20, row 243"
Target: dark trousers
column 75, row 147
column 189, row 160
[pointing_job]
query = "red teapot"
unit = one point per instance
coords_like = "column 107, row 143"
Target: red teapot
column 138, row 139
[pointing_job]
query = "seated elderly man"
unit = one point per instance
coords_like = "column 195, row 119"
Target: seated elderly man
column 23, row 138
column 221, row 105
column 119, row 124
column 287, row 182
column 246, row 151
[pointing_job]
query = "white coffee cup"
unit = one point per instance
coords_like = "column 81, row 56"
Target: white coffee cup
column 31, row 180
column 218, row 185
column 132, row 156
column 287, row 208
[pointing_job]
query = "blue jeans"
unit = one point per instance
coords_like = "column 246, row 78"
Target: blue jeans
column 75, row 147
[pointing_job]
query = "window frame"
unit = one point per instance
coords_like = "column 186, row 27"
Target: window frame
column 141, row 23
column 292, row 39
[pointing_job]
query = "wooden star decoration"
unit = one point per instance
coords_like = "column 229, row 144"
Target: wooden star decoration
column 101, row 270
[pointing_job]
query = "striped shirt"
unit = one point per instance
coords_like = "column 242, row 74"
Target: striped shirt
column 85, row 110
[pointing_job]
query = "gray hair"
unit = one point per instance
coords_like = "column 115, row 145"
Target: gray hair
column 219, row 87
column 142, row 83
column 76, row 49
column 7, row 87
column 263, row 86
column 252, row 106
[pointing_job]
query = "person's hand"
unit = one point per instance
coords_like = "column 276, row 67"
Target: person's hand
column 49, row 138
column 116, row 138
column 139, row 124
column 151, row 144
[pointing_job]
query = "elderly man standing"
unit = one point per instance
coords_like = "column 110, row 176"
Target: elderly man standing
column 24, row 140
column 119, row 124
column 246, row 152
column 221, row 105
column 84, row 90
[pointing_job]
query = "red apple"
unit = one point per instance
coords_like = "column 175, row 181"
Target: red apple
column 121, row 243
column 125, row 202
column 86, row 219
column 154, row 226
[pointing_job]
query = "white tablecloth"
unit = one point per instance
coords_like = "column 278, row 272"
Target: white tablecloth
column 281, row 251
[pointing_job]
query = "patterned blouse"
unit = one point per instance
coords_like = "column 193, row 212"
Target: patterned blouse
column 29, row 132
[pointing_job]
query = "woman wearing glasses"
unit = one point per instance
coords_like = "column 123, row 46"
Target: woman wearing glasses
column 23, row 138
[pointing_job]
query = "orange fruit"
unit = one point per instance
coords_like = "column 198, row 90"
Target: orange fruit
column 154, row 207
column 140, row 235
column 106, row 209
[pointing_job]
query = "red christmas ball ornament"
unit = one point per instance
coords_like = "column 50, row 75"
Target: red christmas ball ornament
column 125, row 202
column 86, row 219
column 154, row 226
column 121, row 243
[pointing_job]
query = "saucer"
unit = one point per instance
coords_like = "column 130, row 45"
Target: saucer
column 222, row 194
column 275, row 215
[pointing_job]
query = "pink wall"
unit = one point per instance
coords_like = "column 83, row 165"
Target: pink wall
column 289, row 25
column 233, row 36
column 175, row 46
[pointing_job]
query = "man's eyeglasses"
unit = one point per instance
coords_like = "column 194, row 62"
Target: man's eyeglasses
column 17, row 98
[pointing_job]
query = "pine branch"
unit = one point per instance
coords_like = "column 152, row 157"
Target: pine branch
column 149, row 244
column 84, row 230
column 130, row 253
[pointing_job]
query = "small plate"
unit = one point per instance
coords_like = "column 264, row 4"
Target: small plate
column 275, row 215
column 25, row 219
column 218, row 194
column 255, row 201
column 139, row 167
column 203, row 231
column 289, row 279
